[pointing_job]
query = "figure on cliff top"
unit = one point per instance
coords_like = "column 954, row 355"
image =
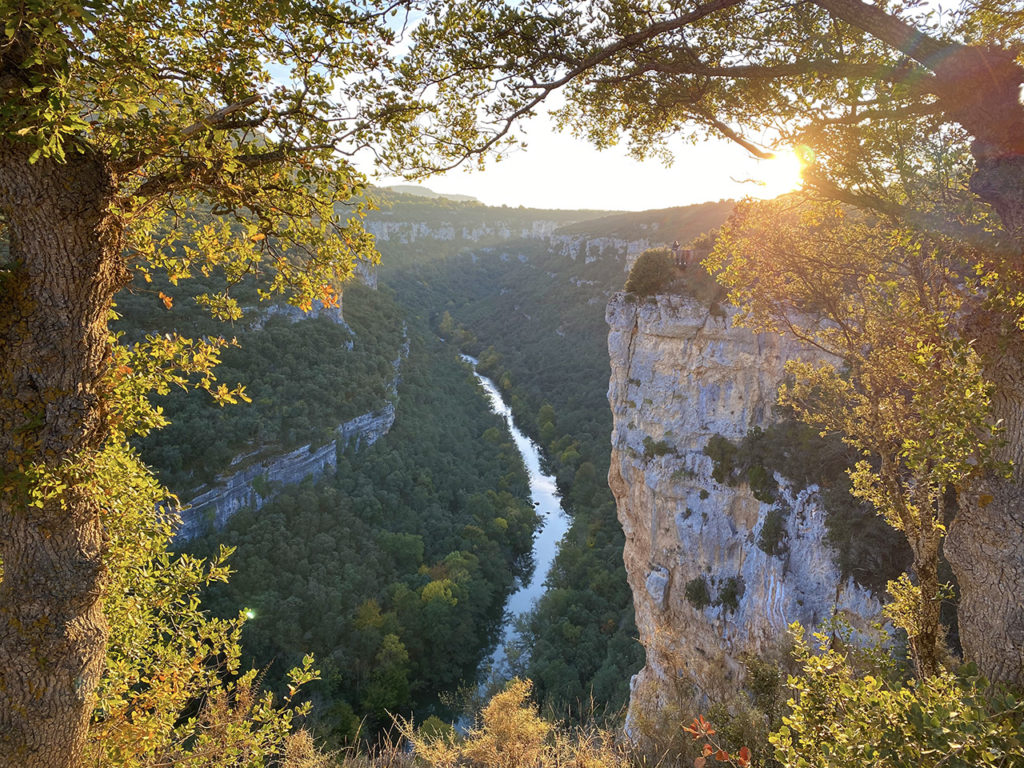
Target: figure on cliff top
column 677, row 255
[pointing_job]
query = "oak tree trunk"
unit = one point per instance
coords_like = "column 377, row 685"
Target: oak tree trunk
column 63, row 268
column 985, row 545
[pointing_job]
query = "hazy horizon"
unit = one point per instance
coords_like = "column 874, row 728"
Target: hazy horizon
column 557, row 170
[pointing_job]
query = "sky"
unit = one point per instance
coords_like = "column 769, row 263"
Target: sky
column 559, row 171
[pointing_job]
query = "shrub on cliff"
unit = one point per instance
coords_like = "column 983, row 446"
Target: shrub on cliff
column 511, row 734
column 652, row 273
column 730, row 593
column 697, row 593
column 843, row 719
column 860, row 539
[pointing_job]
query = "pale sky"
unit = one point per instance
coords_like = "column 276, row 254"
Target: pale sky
column 559, row 171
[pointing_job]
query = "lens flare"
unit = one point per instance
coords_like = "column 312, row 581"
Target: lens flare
column 780, row 174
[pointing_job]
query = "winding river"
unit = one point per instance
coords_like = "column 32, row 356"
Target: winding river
column 554, row 524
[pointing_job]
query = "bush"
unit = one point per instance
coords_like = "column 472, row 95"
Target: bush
column 770, row 540
column 844, row 720
column 722, row 453
column 730, row 593
column 654, row 448
column 697, row 593
column 652, row 273
column 733, row 464
column 762, row 483
column 512, row 734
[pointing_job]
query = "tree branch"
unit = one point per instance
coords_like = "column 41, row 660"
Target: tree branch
column 979, row 85
column 895, row 32
column 771, row 71
column 216, row 119
column 732, row 135
column 641, row 36
column 193, row 172
column 591, row 61
column 974, row 236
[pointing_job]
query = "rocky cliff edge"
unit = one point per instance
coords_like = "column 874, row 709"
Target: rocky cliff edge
column 706, row 594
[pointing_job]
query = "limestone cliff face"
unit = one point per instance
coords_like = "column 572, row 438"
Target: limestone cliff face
column 490, row 238
column 257, row 317
column 258, row 478
column 387, row 230
column 679, row 376
column 258, row 482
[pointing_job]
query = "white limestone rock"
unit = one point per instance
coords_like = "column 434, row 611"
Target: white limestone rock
column 680, row 375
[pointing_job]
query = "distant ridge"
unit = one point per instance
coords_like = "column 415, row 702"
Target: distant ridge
column 681, row 223
column 413, row 189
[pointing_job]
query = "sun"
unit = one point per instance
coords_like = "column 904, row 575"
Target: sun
column 778, row 175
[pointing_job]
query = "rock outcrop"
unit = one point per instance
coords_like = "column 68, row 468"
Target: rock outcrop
column 257, row 317
column 260, row 478
column 385, row 229
column 490, row 238
column 705, row 593
column 259, row 481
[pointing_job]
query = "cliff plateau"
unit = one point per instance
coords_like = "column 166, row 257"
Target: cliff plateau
column 705, row 593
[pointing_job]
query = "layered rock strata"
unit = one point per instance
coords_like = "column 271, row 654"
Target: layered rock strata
column 705, row 593
column 257, row 316
column 492, row 238
column 388, row 230
column 260, row 479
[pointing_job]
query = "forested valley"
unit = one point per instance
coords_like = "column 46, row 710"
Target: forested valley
column 393, row 569
column 265, row 496
column 532, row 311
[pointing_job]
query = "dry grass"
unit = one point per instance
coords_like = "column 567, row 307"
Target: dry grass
column 512, row 734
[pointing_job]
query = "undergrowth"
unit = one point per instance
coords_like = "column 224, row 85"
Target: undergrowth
column 865, row 546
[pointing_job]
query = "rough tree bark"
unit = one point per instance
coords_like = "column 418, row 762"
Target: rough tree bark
column 979, row 87
column 985, row 545
column 64, row 267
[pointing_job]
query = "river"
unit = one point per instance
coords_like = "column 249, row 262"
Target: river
column 554, row 524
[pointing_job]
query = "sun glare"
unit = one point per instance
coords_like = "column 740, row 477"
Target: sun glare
column 777, row 176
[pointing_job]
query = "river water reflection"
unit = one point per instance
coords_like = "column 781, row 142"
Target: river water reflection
column 554, row 524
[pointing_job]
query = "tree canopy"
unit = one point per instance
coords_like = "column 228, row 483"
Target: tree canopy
column 239, row 110
column 882, row 98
